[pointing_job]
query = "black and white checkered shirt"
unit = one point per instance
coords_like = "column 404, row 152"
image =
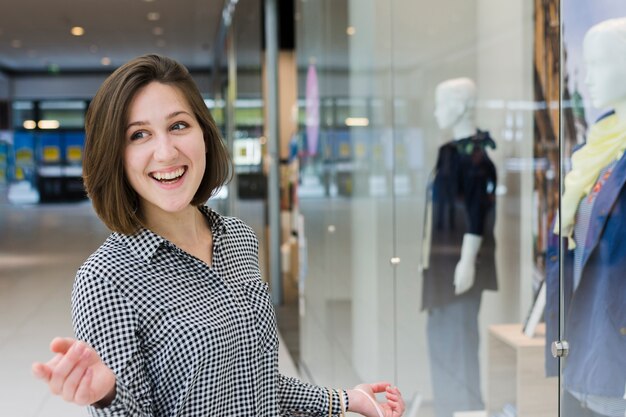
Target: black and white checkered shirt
column 185, row 338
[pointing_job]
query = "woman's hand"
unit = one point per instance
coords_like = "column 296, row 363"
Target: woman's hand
column 77, row 373
column 362, row 400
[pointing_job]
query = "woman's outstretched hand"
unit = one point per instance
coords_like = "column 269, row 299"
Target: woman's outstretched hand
column 362, row 400
column 76, row 373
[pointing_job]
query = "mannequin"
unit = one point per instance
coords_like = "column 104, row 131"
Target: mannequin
column 592, row 225
column 459, row 263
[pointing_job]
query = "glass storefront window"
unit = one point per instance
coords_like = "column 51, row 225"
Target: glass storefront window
column 23, row 114
column 62, row 114
column 442, row 203
column 592, row 139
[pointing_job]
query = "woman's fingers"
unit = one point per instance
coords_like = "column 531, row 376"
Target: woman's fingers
column 41, row 371
column 61, row 344
column 395, row 400
column 44, row 370
column 76, row 372
column 75, row 378
column 65, row 366
column 84, row 393
column 379, row 386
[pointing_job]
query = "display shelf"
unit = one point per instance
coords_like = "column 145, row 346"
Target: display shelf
column 516, row 373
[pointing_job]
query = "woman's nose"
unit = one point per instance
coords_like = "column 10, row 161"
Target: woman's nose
column 165, row 148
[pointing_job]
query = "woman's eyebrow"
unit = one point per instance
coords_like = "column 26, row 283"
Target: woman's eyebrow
column 169, row 116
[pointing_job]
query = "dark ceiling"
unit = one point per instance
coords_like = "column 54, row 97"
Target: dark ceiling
column 35, row 34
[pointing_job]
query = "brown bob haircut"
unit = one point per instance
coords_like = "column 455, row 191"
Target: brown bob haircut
column 113, row 199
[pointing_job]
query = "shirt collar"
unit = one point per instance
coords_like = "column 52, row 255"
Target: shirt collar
column 144, row 243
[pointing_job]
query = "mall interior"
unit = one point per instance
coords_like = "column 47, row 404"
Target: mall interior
column 349, row 124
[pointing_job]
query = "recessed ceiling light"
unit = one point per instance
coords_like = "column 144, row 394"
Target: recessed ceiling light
column 158, row 31
column 48, row 124
column 77, row 31
column 105, row 61
column 16, row 43
column 350, row 30
column 153, row 16
column 357, row 121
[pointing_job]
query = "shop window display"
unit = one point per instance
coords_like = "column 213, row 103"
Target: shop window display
column 592, row 224
column 525, row 58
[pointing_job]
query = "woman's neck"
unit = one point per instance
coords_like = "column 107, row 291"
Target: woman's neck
column 184, row 227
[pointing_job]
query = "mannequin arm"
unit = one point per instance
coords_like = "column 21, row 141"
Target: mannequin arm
column 466, row 267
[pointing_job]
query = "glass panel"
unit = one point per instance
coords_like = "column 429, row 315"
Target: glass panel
column 439, row 173
column 346, row 323
column 66, row 114
column 593, row 289
column 23, row 115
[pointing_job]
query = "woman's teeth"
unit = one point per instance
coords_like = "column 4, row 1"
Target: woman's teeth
column 168, row 176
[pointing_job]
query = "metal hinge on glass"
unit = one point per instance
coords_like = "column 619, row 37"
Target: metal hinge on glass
column 560, row 348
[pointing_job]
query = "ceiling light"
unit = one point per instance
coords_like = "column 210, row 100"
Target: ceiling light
column 153, row 16
column 77, row 31
column 16, row 43
column 350, row 30
column 357, row 121
column 158, row 31
column 48, row 124
column 29, row 124
column 105, row 61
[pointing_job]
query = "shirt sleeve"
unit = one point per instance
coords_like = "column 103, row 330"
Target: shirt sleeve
column 297, row 398
column 477, row 180
column 103, row 318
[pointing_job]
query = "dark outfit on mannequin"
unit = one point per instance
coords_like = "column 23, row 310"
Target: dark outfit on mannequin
column 462, row 193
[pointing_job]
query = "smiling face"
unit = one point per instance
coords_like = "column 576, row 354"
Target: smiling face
column 164, row 158
column 605, row 64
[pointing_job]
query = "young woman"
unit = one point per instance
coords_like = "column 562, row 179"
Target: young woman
column 170, row 313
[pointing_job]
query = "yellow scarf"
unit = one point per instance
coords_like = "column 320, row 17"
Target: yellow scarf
column 606, row 142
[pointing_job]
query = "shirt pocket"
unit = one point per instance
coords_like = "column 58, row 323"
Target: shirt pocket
column 257, row 292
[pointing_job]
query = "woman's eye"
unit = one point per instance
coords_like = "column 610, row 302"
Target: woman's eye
column 138, row 135
column 179, row 126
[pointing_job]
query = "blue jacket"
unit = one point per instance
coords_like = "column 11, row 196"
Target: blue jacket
column 595, row 314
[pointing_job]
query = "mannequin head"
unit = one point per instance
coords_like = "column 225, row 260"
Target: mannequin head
column 454, row 106
column 604, row 53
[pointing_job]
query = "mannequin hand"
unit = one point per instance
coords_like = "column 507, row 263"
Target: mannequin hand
column 465, row 270
column 464, row 275
column 358, row 403
column 76, row 373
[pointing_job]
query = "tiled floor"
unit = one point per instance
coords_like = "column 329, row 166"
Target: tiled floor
column 41, row 247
